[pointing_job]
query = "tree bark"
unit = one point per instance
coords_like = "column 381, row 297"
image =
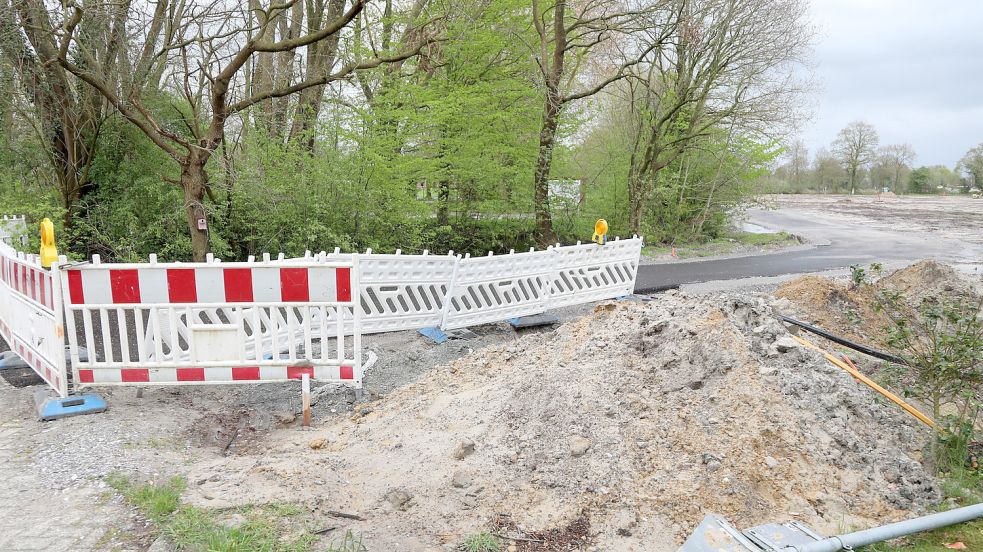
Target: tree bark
column 547, row 137
column 194, row 180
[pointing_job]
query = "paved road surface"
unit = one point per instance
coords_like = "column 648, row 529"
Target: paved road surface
column 837, row 244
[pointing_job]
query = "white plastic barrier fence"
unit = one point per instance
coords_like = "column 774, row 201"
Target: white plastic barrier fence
column 499, row 287
column 31, row 315
column 274, row 320
column 193, row 323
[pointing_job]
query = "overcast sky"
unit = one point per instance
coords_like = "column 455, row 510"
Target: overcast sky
column 913, row 69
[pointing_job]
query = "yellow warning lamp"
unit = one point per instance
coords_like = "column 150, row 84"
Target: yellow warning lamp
column 49, row 253
column 600, row 232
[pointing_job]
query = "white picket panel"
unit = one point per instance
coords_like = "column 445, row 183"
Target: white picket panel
column 499, row 287
column 591, row 272
column 31, row 315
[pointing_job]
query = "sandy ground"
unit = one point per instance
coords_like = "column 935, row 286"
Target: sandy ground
column 948, row 217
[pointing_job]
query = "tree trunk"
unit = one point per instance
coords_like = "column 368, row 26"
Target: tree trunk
column 547, row 136
column 193, row 181
column 443, row 202
column 636, row 203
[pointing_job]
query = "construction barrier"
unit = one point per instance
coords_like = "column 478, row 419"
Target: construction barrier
column 31, row 315
column 214, row 322
column 275, row 319
column 499, row 287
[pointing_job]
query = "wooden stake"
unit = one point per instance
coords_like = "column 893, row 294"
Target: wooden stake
column 305, row 385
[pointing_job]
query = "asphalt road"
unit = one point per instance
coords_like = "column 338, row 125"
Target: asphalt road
column 835, row 244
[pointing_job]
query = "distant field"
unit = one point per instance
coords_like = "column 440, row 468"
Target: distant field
column 958, row 217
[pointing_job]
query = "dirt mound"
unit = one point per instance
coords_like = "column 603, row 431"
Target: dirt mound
column 851, row 311
column 639, row 419
column 835, row 306
column 927, row 279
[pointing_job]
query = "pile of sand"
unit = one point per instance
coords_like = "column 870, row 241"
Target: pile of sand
column 639, row 418
column 851, row 311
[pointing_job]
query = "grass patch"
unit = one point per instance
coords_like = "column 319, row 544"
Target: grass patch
column 266, row 528
column 722, row 245
column 966, row 487
column 481, row 542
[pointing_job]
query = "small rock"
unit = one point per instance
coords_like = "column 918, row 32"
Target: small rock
column 285, row 417
column 463, row 450
column 771, row 462
column 460, row 480
column 318, row 443
column 786, row 344
column 579, row 446
column 766, row 370
column 398, row 498
column 512, row 548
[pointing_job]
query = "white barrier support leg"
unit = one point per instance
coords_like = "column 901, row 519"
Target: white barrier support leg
column 305, row 391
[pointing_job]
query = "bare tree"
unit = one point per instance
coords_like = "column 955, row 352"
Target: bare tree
column 729, row 64
column 827, row 170
column 972, row 165
column 569, row 34
column 856, row 147
column 798, row 161
column 898, row 159
column 66, row 118
column 207, row 50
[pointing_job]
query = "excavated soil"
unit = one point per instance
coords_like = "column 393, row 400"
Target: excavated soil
column 851, row 311
column 619, row 431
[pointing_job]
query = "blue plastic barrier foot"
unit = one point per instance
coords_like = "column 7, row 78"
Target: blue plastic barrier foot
column 434, row 334
column 439, row 336
column 54, row 408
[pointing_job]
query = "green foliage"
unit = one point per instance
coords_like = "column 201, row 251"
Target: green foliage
column 941, row 339
column 481, row 542
column 262, row 528
column 157, row 501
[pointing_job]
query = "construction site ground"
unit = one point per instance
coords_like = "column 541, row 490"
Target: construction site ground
column 617, row 430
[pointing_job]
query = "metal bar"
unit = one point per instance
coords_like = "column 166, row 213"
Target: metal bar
column 893, row 531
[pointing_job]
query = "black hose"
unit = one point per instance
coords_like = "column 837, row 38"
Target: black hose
column 846, row 342
column 655, row 289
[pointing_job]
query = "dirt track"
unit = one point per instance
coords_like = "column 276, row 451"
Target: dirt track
column 845, row 230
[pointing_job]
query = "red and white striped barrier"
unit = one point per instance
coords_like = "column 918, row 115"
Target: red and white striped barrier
column 276, row 320
column 177, row 323
column 31, row 315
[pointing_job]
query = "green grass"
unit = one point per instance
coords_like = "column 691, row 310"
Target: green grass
column 966, row 487
column 721, row 245
column 481, row 542
column 266, row 528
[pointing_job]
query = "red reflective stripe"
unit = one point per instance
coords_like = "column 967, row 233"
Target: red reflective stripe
column 34, row 285
column 181, row 285
column 75, row 293
column 347, row 372
column 191, row 374
column 43, row 295
column 296, row 372
column 238, row 286
column 85, row 376
column 293, row 285
column 23, row 280
column 125, row 285
column 247, row 373
column 343, row 283
column 134, row 374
